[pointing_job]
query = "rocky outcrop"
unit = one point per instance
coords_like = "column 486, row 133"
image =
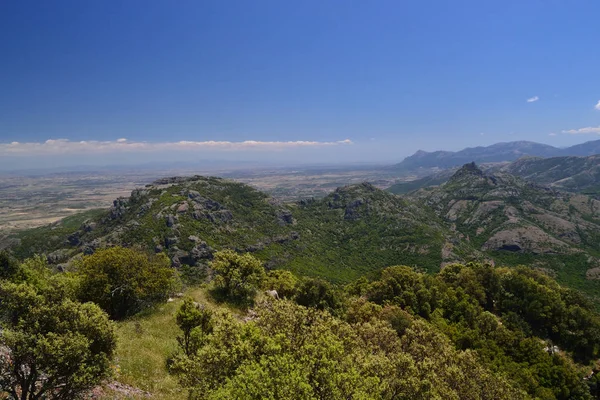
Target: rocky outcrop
column 119, row 208
column 526, row 239
column 285, row 217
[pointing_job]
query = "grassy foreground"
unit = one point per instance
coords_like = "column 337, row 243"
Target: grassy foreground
column 144, row 344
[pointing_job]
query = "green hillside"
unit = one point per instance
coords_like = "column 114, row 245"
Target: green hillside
column 402, row 311
column 353, row 231
column 515, row 222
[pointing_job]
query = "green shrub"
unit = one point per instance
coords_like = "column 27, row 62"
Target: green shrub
column 124, row 281
column 238, row 275
column 319, row 294
column 284, row 282
column 51, row 349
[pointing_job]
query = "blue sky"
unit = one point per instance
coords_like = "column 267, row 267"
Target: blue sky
column 389, row 76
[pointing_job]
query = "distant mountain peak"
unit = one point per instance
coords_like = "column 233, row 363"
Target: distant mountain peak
column 466, row 170
column 496, row 153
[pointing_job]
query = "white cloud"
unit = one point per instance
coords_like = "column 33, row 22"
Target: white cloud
column 533, row 99
column 65, row 146
column 597, row 107
column 584, row 131
column 552, row 134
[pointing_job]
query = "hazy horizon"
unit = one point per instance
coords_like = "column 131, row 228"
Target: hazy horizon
column 112, row 83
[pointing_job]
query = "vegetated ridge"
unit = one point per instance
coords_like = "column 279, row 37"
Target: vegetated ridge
column 355, row 230
column 571, row 173
column 517, row 222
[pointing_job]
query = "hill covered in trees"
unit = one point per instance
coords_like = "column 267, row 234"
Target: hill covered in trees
column 448, row 292
column 356, row 230
column 573, row 174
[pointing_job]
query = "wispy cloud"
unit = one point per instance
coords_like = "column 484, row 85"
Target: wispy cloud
column 552, row 134
column 584, row 131
column 533, row 99
column 597, row 107
column 65, row 146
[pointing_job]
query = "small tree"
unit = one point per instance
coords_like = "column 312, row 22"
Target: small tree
column 125, row 281
column 284, row 282
column 49, row 349
column 195, row 322
column 238, row 275
column 319, row 294
column 8, row 265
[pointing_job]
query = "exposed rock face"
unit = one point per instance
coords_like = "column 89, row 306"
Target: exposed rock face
column 171, row 241
column 505, row 213
column 566, row 230
column 593, row 273
column 455, row 209
column 529, row 239
column 193, row 194
column 170, row 221
column 91, row 247
column 88, row 226
column 352, row 209
column 119, row 208
column 74, row 239
column 57, row 256
column 199, row 253
column 285, row 217
column 183, row 207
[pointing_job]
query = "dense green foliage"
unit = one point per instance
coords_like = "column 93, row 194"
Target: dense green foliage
column 319, row 294
column 238, row 276
column 51, row 237
column 282, row 281
column 514, row 222
column 8, row 265
column 195, row 322
column 290, row 351
column 125, row 281
column 355, row 231
column 359, row 229
column 509, row 316
column 470, row 331
column 51, row 347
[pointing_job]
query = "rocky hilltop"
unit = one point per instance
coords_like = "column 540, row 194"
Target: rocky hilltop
column 354, row 230
column 513, row 220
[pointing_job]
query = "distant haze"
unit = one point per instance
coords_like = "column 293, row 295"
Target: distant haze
column 67, row 155
column 112, row 82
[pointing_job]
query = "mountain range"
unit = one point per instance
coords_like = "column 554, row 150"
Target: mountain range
column 571, row 174
column 498, row 152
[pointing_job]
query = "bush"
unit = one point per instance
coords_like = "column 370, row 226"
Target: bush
column 195, row 322
column 8, row 265
column 51, row 349
column 125, row 281
column 238, row 275
column 319, row 294
column 284, row 282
